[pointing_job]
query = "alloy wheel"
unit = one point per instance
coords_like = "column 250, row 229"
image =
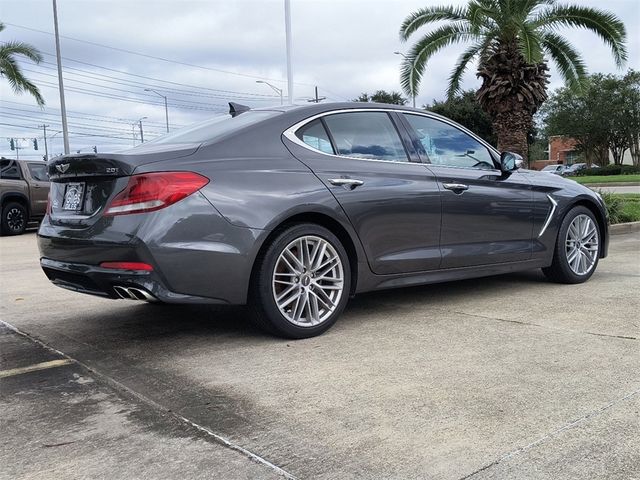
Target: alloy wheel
column 582, row 244
column 308, row 281
column 15, row 219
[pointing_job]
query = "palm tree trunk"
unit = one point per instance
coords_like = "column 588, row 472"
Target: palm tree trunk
column 511, row 128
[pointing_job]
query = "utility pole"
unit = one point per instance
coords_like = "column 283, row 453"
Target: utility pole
column 317, row 99
column 46, row 148
column 141, row 134
column 63, row 108
column 287, row 24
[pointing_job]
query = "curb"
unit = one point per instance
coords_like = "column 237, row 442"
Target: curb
column 622, row 228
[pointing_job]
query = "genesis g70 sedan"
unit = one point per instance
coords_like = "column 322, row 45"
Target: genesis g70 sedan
column 292, row 210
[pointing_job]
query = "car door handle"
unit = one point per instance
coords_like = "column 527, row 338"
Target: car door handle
column 346, row 182
column 456, row 187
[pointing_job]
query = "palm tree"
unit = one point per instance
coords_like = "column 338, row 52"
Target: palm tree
column 10, row 69
column 512, row 39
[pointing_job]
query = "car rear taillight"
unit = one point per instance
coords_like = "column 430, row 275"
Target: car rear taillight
column 147, row 192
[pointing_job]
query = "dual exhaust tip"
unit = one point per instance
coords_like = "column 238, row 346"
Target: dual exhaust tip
column 133, row 293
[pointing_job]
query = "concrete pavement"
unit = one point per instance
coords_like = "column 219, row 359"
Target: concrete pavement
column 504, row 377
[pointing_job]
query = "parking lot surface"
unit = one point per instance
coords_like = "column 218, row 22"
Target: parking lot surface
column 504, row 377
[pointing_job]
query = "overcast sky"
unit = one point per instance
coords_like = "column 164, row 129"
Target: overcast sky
column 217, row 51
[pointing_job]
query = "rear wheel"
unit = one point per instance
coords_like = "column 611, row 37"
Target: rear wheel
column 14, row 219
column 577, row 248
column 302, row 282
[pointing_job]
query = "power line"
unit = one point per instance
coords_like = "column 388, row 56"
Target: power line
column 95, row 93
column 38, row 110
column 154, row 57
column 36, row 114
column 72, row 133
column 223, row 94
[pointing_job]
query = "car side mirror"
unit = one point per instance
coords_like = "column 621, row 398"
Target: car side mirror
column 510, row 161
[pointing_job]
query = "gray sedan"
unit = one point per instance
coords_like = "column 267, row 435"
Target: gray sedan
column 293, row 210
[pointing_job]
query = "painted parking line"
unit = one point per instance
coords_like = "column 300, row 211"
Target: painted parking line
column 34, row 368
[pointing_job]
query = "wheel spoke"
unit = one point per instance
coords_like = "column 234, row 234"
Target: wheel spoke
column 581, row 244
column 308, row 280
column 288, row 258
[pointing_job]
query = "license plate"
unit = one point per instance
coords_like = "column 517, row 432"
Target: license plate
column 73, row 196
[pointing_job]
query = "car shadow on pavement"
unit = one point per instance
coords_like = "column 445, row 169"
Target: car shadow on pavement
column 227, row 324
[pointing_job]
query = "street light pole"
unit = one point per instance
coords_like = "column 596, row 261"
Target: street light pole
column 63, row 108
column 274, row 88
column 413, row 95
column 287, row 24
column 166, row 107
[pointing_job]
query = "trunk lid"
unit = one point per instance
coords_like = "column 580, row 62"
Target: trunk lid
column 83, row 184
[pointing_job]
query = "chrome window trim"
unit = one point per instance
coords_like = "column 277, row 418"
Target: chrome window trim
column 473, row 169
column 290, row 134
column 554, row 205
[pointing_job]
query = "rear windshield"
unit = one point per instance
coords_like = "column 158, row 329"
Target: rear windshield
column 213, row 129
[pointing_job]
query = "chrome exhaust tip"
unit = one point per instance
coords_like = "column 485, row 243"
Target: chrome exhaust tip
column 133, row 293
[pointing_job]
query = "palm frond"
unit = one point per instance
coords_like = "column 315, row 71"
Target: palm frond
column 463, row 63
column 529, row 43
column 10, row 70
column 427, row 15
column 567, row 59
column 413, row 67
column 20, row 48
column 606, row 25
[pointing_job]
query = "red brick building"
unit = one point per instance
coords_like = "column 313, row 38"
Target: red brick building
column 562, row 150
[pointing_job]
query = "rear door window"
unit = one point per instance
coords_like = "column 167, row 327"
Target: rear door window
column 366, row 135
column 9, row 169
column 38, row 172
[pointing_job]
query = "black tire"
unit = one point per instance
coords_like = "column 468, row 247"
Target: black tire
column 560, row 271
column 265, row 311
column 14, row 219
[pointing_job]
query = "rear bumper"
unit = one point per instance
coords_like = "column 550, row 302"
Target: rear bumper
column 109, row 283
column 197, row 255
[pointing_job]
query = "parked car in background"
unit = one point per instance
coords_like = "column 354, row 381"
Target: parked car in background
column 555, row 169
column 295, row 209
column 573, row 170
column 24, row 190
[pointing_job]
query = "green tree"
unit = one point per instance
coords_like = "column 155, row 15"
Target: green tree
column 10, row 69
column 464, row 108
column 512, row 40
column 382, row 96
column 603, row 117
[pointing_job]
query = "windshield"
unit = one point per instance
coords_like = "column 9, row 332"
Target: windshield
column 212, row 129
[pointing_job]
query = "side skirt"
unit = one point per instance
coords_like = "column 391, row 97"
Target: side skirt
column 380, row 282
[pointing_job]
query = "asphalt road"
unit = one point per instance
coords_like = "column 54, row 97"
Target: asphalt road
column 505, row 377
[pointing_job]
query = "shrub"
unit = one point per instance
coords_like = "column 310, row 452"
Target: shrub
column 614, row 205
column 610, row 170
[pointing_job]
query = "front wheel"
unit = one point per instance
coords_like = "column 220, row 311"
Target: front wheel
column 302, row 282
column 577, row 248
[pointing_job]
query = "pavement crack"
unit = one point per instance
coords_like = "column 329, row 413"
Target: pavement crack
column 553, row 434
column 531, row 324
column 155, row 405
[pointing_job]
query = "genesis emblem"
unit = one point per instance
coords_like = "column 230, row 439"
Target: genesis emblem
column 63, row 167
